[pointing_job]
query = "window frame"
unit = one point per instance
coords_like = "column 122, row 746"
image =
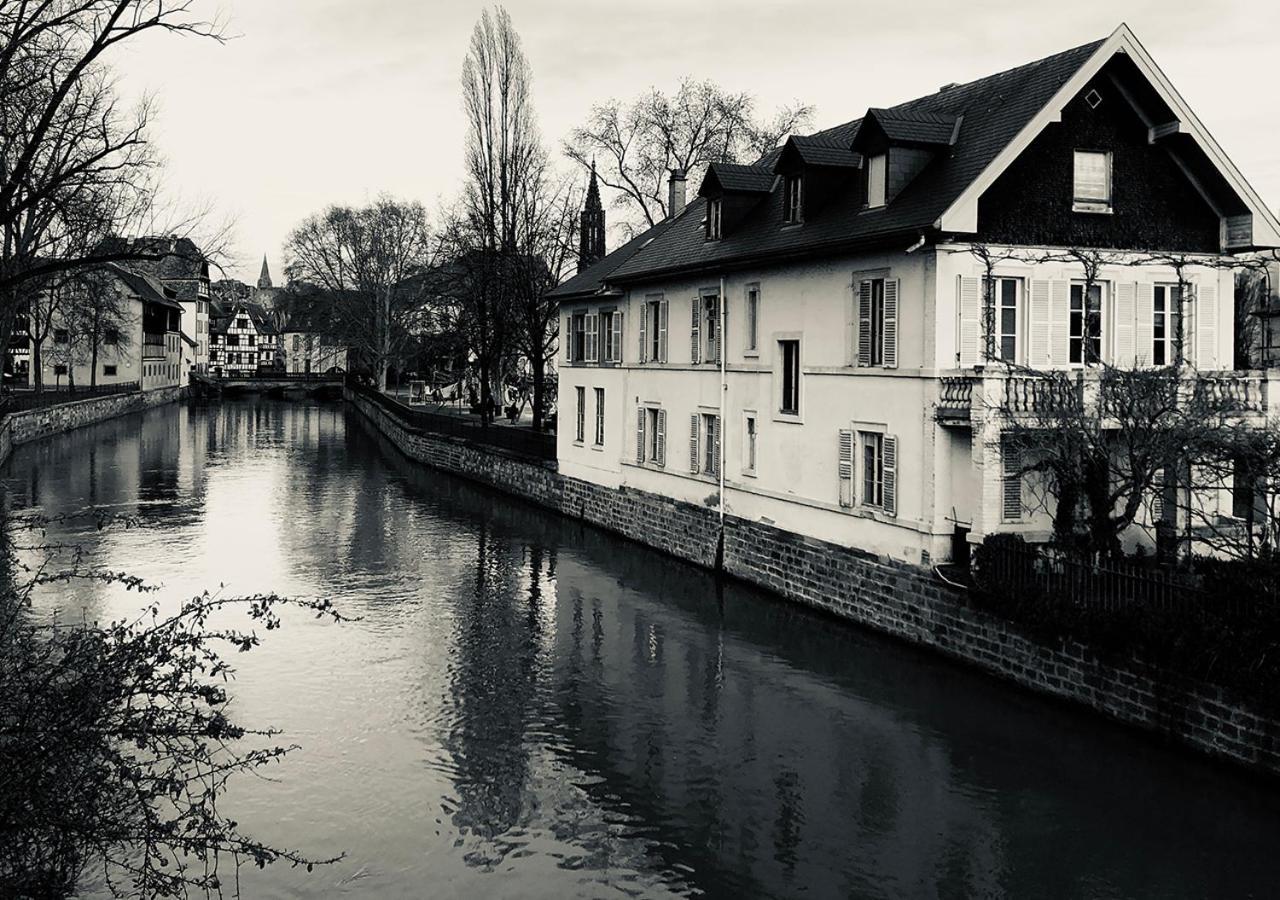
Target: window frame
column 797, row 377
column 710, row 301
column 580, row 416
column 599, row 435
column 872, row 441
column 715, row 218
column 998, row 335
column 1165, row 293
column 1089, row 204
column 750, row 442
column 751, row 319
column 877, row 178
column 793, row 199
column 651, row 414
column 1103, row 335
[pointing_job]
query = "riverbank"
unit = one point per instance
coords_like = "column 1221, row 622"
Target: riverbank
column 893, row 598
column 30, row 425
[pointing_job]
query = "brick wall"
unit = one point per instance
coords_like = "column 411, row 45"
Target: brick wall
column 19, row 428
column 894, row 598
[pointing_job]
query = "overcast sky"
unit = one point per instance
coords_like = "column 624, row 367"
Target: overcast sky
column 323, row 101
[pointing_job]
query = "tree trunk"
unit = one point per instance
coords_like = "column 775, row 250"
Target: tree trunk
column 539, row 391
column 37, row 366
column 486, row 395
column 93, row 365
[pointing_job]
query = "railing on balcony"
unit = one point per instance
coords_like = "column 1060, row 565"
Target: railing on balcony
column 1240, row 392
column 955, row 398
column 1029, row 394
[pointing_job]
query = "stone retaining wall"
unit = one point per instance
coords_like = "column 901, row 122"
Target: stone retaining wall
column 19, row 428
column 897, row 599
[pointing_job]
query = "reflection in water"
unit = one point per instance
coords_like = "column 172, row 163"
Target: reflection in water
column 528, row 707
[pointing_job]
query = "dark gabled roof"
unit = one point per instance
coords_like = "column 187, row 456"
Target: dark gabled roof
column 591, row 279
column 147, row 289
column 995, row 110
column 734, row 178
column 829, row 150
column 905, row 126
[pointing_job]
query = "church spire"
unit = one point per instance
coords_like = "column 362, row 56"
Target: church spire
column 264, row 280
column 591, row 223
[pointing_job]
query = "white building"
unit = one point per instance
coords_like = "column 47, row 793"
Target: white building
column 809, row 343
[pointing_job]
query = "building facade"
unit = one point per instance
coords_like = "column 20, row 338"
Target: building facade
column 245, row 341
column 834, row 340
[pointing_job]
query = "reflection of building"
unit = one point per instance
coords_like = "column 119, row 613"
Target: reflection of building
column 817, row 340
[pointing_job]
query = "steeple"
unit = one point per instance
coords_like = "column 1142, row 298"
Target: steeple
column 264, row 280
column 591, row 246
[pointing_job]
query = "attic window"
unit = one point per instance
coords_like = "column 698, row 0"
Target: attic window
column 793, row 199
column 1093, row 98
column 715, row 208
column 1092, row 191
column 876, row 180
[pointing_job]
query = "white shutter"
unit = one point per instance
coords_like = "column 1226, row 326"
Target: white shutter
column 566, row 333
column 864, row 323
column 715, row 445
column 1124, row 324
column 616, row 354
column 660, row 439
column 1144, row 349
column 644, row 332
column 662, row 332
column 693, row 443
column 593, row 336
column 890, row 324
column 1060, row 322
column 1011, row 482
column 695, row 332
column 1038, row 324
column 640, row 417
column 718, row 327
column 889, row 456
column 1206, row 297
column 844, row 467
column 970, row 324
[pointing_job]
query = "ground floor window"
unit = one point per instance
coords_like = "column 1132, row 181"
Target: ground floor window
column 581, row 394
column 711, row 444
column 872, row 468
column 749, row 445
column 651, row 435
column 1164, row 324
column 599, row 417
column 108, row 370
column 1085, row 343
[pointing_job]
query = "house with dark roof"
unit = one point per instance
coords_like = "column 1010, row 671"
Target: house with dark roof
column 831, row 340
column 245, row 340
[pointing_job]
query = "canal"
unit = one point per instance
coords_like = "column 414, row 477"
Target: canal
column 530, row 708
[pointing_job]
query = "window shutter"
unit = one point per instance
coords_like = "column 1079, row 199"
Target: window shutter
column 970, row 321
column 890, row 324
column 662, row 332
column 567, row 334
column 1157, row 497
column 889, row 451
column 644, row 331
column 844, row 467
column 661, row 438
column 1124, row 322
column 693, row 443
column 864, row 323
column 722, row 325
column 1206, row 297
column 695, row 331
column 1145, row 330
column 1038, row 323
column 1060, row 322
column 714, row 437
column 1011, row 482
column 640, row 416
column 593, row 335
column 616, row 354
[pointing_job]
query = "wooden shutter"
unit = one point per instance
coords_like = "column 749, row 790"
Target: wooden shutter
column 693, row 443
column 1011, row 482
column 640, row 417
column 567, row 334
column 1144, row 340
column 889, row 456
column 890, row 334
column 660, row 439
column 644, row 332
column 1125, row 352
column 662, row 332
column 844, row 467
column 864, row 323
column 1206, row 297
column 593, row 337
column 1060, row 322
column 970, row 320
column 714, row 437
column 722, row 326
column 695, row 332
column 616, row 355
column 1038, row 324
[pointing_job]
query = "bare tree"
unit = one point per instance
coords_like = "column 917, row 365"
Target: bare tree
column 98, row 316
column 366, row 261
column 637, row 144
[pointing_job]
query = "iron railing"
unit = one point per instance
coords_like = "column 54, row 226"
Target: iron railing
column 24, row 400
column 516, row 439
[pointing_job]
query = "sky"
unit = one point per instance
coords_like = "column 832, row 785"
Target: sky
column 315, row 102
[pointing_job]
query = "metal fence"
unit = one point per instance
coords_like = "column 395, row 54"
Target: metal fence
column 513, row 438
column 267, row 375
column 23, row 400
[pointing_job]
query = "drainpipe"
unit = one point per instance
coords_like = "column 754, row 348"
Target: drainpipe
column 724, row 389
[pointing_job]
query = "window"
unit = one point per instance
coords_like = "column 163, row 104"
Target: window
column 876, row 170
column 111, row 337
column 582, row 414
column 653, row 330
column 749, row 444
column 711, row 444
column 251, row 338
column 711, row 328
column 789, row 354
column 1164, row 324
column 1085, row 344
column 599, row 417
column 61, row 336
column 242, row 323
column 872, row 467
column 1092, row 191
column 1006, row 309
column 1011, row 482
column 108, row 370
column 651, row 435
column 871, row 322
column 578, row 338
column 611, row 336
column 714, row 215
column 753, row 318
column 297, row 343
column 233, row 340
column 793, row 199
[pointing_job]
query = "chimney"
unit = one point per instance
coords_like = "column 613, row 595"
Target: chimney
column 675, row 192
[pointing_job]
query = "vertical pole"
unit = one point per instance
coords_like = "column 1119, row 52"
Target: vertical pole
column 724, row 389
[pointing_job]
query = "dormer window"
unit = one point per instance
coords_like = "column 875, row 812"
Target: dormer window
column 715, row 210
column 876, row 170
column 793, row 199
column 1092, row 192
